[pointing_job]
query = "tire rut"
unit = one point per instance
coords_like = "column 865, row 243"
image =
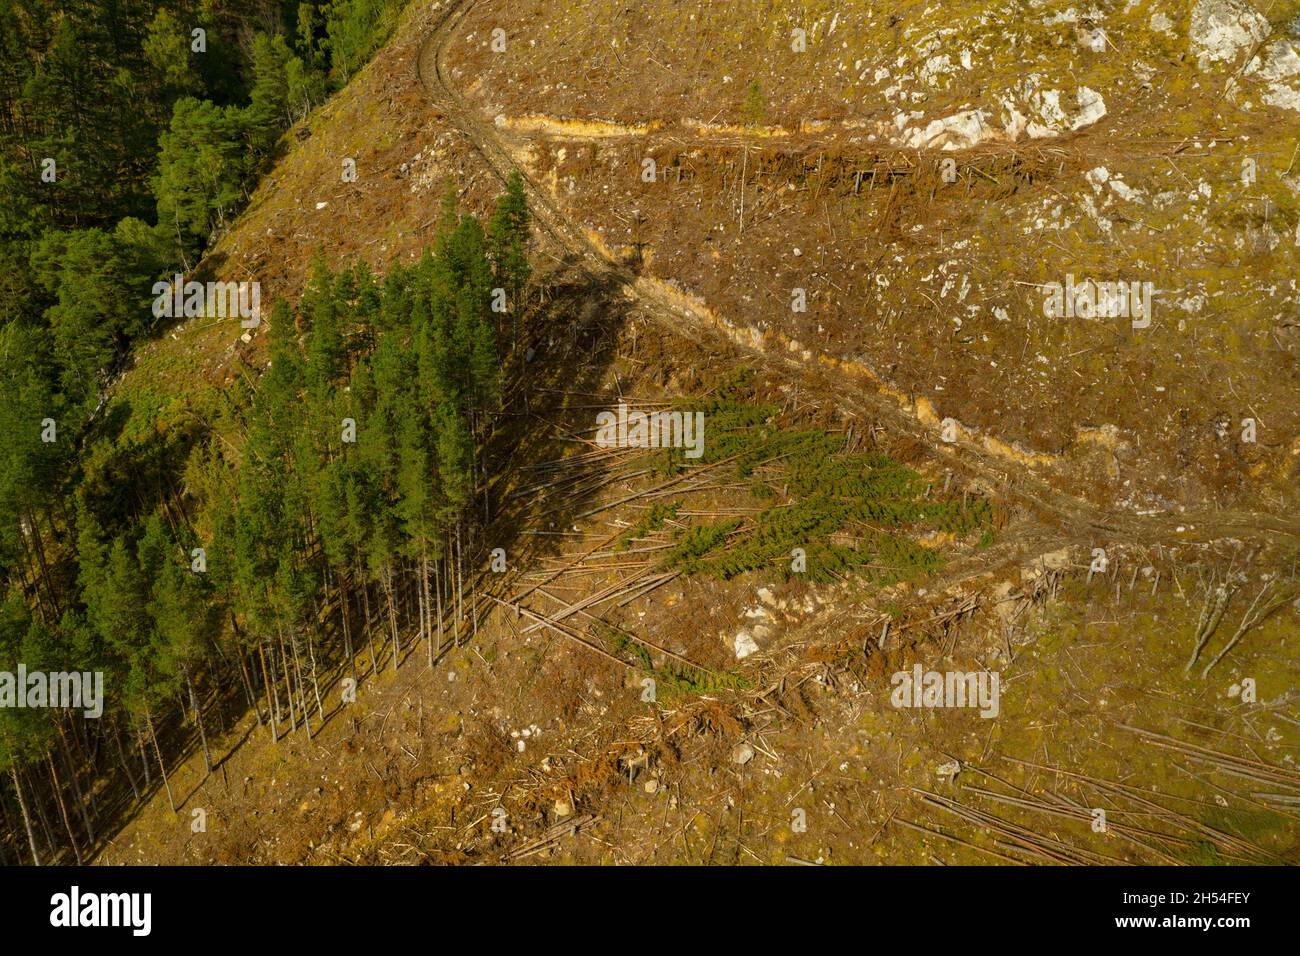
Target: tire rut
column 1084, row 520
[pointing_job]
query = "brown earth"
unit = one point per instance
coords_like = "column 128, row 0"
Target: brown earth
column 414, row 771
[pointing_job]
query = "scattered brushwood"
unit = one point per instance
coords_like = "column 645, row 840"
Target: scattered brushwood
column 837, row 172
column 1028, row 844
column 1152, row 831
column 1246, row 768
column 1166, row 834
column 671, row 679
column 1254, row 616
column 1275, row 592
column 652, row 521
column 1213, row 605
column 551, row 837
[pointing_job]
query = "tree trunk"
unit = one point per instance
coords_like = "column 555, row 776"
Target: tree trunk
column 30, row 573
column 370, row 638
column 27, row 819
column 346, row 612
column 38, row 546
column 272, row 711
column 425, row 605
column 46, row 830
column 66, row 752
column 126, row 764
column 460, row 584
column 302, row 687
column 6, row 827
column 288, row 686
column 243, row 669
column 392, row 612
column 143, row 745
column 198, row 720
column 315, row 683
column 63, row 808
column 473, row 607
column 249, row 696
column 162, row 767
column 437, row 587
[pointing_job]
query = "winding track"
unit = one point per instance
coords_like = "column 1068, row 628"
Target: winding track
column 1083, row 520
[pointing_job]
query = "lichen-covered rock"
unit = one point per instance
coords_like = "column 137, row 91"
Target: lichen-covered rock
column 1222, row 30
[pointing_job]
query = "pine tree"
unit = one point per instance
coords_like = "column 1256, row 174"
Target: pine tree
column 184, row 619
column 508, row 244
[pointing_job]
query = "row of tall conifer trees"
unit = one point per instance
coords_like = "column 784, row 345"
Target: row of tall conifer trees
column 323, row 526
column 131, row 134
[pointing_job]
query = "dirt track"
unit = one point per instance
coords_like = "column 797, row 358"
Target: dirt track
column 1086, row 521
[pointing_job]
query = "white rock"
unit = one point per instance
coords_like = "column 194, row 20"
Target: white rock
column 1222, row 29
column 744, row 644
column 1015, row 122
column 1091, row 108
column 1051, row 118
column 1124, row 191
column 1094, row 40
column 1281, row 71
column 959, row 131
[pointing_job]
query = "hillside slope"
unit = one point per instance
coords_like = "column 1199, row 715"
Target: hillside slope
column 1147, row 142
column 776, row 691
